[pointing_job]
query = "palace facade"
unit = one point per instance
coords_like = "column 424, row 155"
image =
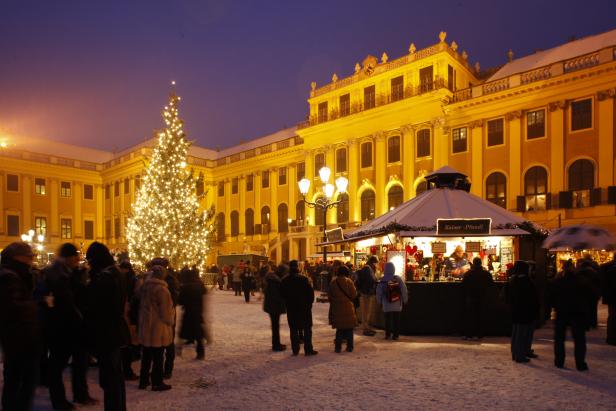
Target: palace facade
column 535, row 136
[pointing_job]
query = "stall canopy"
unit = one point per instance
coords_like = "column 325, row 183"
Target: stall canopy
column 447, row 197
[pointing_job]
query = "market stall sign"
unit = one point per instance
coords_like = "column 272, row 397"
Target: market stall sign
column 334, row 234
column 439, row 247
column 463, row 226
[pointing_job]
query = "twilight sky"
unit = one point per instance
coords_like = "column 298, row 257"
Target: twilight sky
column 96, row 73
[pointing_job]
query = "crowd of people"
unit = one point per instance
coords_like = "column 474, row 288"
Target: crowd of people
column 100, row 313
column 104, row 312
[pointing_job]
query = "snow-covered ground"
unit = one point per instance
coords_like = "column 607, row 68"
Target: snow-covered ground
column 241, row 372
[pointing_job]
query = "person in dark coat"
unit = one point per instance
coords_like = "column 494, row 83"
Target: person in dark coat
column 588, row 269
column 475, row 286
column 19, row 327
column 571, row 297
column 248, row 283
column 521, row 295
column 298, row 296
column 366, row 286
column 191, row 296
column 608, row 281
column 65, row 331
column 130, row 279
column 105, row 323
column 273, row 304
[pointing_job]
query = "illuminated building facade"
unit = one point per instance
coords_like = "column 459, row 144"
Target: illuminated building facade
column 535, row 136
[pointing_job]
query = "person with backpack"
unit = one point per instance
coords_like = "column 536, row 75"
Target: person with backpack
column 341, row 294
column 391, row 295
column 366, row 285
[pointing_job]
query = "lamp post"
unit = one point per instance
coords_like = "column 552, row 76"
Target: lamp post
column 35, row 241
column 325, row 202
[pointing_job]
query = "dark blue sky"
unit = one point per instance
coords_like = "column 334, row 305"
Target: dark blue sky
column 96, row 72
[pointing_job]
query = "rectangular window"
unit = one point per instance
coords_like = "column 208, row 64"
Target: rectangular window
column 423, row 143
column 40, row 226
column 234, row 185
column 116, row 227
column 496, row 136
column 199, row 186
column 66, row 228
column 249, row 182
column 301, row 171
column 535, row 124
column 126, row 186
column 88, row 229
column 345, row 105
column 65, row 189
column 39, row 186
column 12, row 182
column 369, row 97
column 458, row 136
column 319, row 163
column 221, row 189
column 366, row 155
column 108, row 229
column 107, row 192
column 341, row 160
column 393, row 149
column 116, row 189
column 581, row 114
column 265, row 179
column 451, row 78
column 282, row 176
column 12, row 225
column 426, row 76
column 397, row 88
column 322, row 111
column 88, row 192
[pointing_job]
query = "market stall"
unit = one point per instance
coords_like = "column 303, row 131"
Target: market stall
column 432, row 240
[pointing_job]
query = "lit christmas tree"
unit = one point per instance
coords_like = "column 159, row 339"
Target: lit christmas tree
column 166, row 220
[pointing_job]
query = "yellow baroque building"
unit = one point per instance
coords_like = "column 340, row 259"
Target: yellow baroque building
column 535, row 136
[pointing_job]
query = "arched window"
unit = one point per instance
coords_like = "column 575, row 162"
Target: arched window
column 421, row 187
column 220, row 227
column 283, row 218
column 318, row 216
column 581, row 181
column 393, row 149
column 536, row 188
column 496, row 189
column 249, row 217
column 394, row 197
column 235, row 223
column 265, row 220
column 300, row 212
column 343, row 208
column 367, row 205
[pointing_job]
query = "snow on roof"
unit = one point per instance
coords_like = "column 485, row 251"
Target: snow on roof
column 280, row 135
column 57, row 149
column 426, row 208
column 563, row 52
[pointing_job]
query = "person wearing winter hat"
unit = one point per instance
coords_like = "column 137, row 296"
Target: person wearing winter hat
column 391, row 294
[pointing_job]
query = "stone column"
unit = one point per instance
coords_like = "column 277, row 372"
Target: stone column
column 78, row 199
column 476, row 150
column 408, row 160
column 557, row 147
column 256, row 186
column 354, row 183
column 227, row 207
column 605, row 127
column 440, row 140
column 515, row 158
column 241, row 187
column 54, row 216
column 27, row 193
column 274, row 202
column 380, row 166
column 293, row 190
column 99, row 197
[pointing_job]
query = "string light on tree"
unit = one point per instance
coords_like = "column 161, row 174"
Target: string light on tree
column 166, row 219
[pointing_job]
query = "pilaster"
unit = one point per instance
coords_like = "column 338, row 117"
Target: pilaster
column 557, row 146
column 605, row 102
column 77, row 198
column 100, row 218
column 408, row 160
column 380, row 165
column 476, row 149
column 353, row 167
column 241, row 186
column 515, row 157
column 27, row 193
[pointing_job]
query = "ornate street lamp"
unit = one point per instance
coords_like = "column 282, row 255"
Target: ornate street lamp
column 324, row 202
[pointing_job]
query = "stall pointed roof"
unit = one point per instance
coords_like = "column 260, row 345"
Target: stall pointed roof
column 418, row 216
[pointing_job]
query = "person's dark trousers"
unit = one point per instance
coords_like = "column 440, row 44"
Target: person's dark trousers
column 127, row 361
column 529, row 339
column 152, row 357
column 473, row 317
column 200, row 348
column 392, row 324
column 611, row 324
column 275, row 320
column 342, row 335
column 59, row 354
column 594, row 308
column 237, row 287
column 111, row 380
column 295, row 339
column 519, row 341
column 247, row 296
column 20, row 378
column 578, row 326
column 169, row 357
column 44, row 366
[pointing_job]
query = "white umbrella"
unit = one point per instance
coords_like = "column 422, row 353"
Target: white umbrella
column 580, row 237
